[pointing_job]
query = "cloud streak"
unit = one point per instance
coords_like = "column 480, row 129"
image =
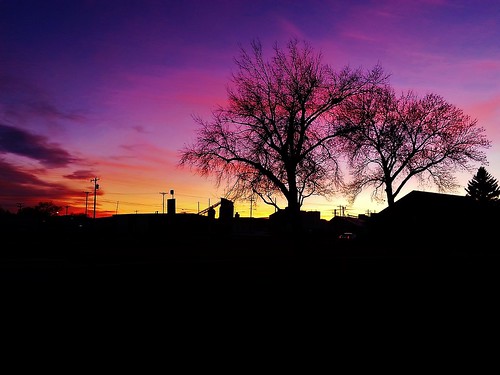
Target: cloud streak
column 29, row 188
column 19, row 142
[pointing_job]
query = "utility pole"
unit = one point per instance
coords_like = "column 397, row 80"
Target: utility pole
column 163, row 202
column 96, row 186
column 86, row 201
column 251, row 205
column 67, row 210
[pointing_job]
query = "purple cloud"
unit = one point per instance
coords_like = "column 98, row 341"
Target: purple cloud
column 20, row 142
column 26, row 188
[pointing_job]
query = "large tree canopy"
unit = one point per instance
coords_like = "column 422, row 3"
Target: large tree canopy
column 275, row 135
column 391, row 139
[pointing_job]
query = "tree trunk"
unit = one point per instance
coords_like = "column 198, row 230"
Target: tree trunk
column 294, row 218
column 390, row 195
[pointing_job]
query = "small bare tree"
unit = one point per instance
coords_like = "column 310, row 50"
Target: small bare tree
column 390, row 140
column 275, row 135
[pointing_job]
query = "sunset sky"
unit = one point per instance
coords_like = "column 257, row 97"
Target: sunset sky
column 108, row 89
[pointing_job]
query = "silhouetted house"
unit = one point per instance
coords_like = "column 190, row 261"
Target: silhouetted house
column 250, row 226
column 426, row 221
column 310, row 221
column 165, row 226
column 342, row 224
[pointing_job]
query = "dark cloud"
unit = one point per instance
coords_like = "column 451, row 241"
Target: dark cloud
column 80, row 175
column 13, row 176
column 37, row 147
column 20, row 186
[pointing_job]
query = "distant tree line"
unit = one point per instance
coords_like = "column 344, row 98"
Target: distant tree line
column 43, row 210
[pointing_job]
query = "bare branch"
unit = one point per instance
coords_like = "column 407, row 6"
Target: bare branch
column 390, row 140
column 276, row 137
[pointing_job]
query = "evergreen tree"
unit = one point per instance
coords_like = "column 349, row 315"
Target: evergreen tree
column 483, row 187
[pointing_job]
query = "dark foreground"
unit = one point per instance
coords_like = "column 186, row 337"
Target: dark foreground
column 187, row 293
column 238, row 289
column 232, row 261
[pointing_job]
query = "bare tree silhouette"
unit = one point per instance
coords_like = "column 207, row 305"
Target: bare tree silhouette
column 275, row 135
column 392, row 139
